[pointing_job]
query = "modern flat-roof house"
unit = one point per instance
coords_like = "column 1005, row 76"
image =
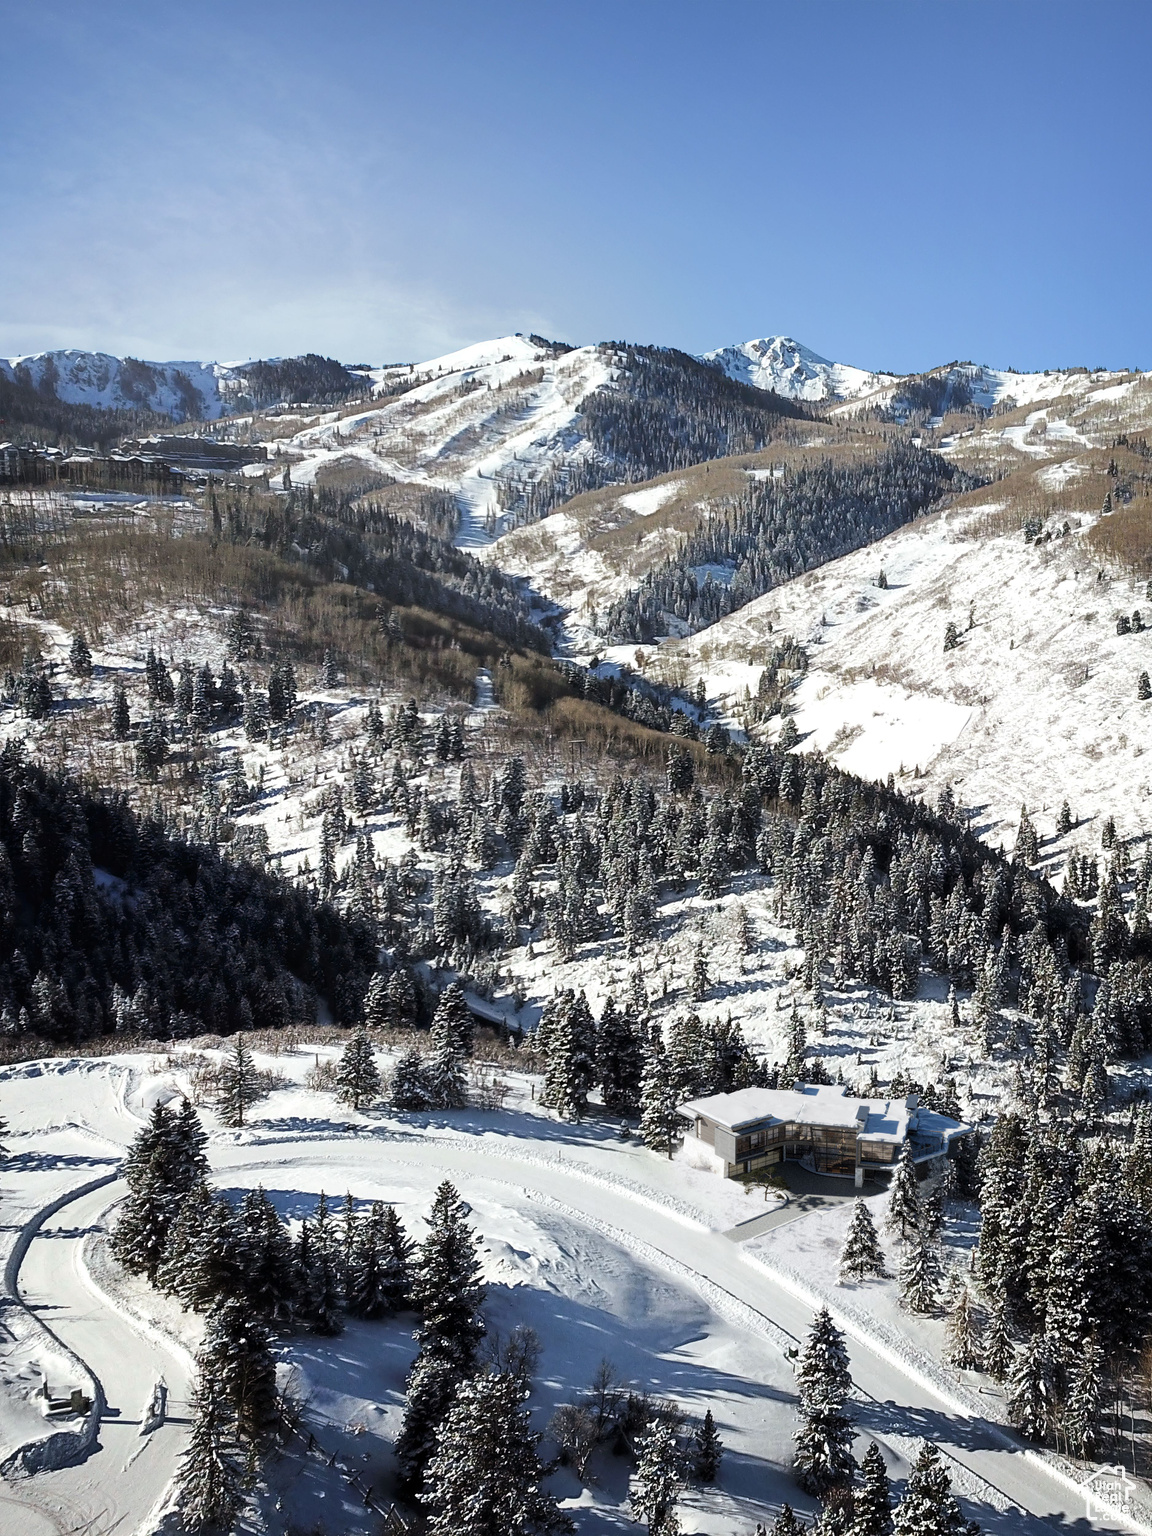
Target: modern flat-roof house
column 817, row 1125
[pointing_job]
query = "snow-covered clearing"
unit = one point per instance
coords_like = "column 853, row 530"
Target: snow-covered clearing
column 583, row 1238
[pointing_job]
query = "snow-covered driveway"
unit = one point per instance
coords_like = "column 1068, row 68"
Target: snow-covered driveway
column 114, row 1490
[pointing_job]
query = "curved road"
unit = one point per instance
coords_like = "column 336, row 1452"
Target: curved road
column 111, row 1492
column 117, row 1487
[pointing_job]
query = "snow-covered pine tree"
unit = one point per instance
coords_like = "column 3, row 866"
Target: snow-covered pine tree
column 701, row 984
column 1032, row 1389
column 79, row 656
column 236, row 1354
column 266, row 1269
column 787, row 1523
column 1083, row 1400
column 570, row 1070
column 401, row 999
column 824, row 1458
column 209, row 1479
column 707, row 1449
column 377, row 1014
column 920, row 1274
column 348, row 1242
column 410, row 1088
column 452, row 1033
column 822, row 1377
column 904, row 1196
column 446, row 1286
column 658, row 1480
column 928, row 1508
column 204, row 1253
column 318, row 1272
column 357, row 1075
column 619, row 1059
column 999, row 1356
column 872, row 1514
column 484, row 1479
column 431, row 1389
column 241, row 1085
column 159, row 1170
column 963, row 1333
column 861, row 1254
column 121, row 717
column 660, row 1124
column 140, row 1236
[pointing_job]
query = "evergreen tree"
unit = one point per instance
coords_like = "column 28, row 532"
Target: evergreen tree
column 786, row 1523
column 452, row 1032
column 410, row 1088
column 658, row 1480
column 920, row 1274
column 140, row 1237
column 267, row 1271
column 700, row 980
column 204, row 1253
column 236, row 1354
column 318, row 1268
column 1143, row 686
column 377, row 1013
column 872, row 1514
column 401, row 999
column 1031, row 1389
column 141, row 1232
column 241, row 1084
column 485, row 1476
column 446, row 1288
column 928, row 1508
column 357, row 1075
column 121, row 718
column 999, row 1356
column 208, row 1479
column 431, row 1389
column 381, row 1265
column 619, row 1060
column 824, row 1458
column 1084, row 1400
column 963, row 1337
column 79, row 656
column 660, row 1124
column 861, row 1254
column 571, row 1047
column 707, row 1450
column 904, row 1197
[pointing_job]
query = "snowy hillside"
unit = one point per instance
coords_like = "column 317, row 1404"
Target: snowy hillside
column 1035, row 703
column 786, row 367
column 185, row 391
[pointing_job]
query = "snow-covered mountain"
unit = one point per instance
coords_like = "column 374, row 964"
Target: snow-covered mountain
column 788, row 368
column 184, row 391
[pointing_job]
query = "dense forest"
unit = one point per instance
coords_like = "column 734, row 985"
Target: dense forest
column 113, row 922
column 779, row 528
column 312, row 378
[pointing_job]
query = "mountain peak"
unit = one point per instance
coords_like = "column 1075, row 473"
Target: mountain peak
column 789, row 368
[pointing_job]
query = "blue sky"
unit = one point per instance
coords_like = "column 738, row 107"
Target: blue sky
column 894, row 184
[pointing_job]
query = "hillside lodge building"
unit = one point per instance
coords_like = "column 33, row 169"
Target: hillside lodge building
column 817, row 1126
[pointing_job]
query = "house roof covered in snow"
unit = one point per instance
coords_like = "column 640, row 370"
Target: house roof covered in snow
column 823, row 1105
